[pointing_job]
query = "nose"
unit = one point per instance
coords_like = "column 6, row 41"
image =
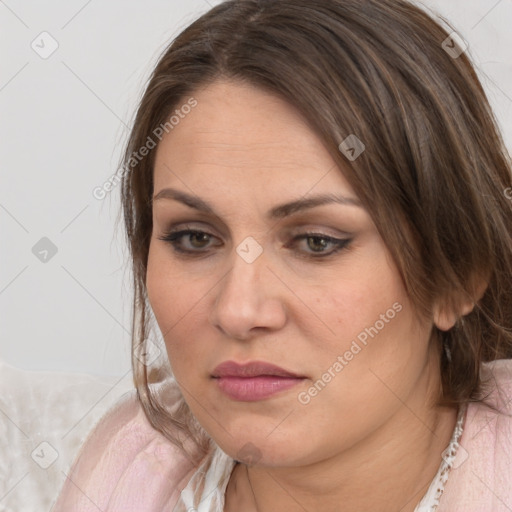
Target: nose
column 248, row 300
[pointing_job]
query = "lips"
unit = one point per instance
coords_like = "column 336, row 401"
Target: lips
column 253, row 381
column 252, row 369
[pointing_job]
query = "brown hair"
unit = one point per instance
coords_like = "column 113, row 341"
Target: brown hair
column 433, row 175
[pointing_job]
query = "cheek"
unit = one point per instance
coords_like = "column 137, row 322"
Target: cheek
column 170, row 293
column 371, row 295
column 179, row 304
column 168, row 296
column 160, row 289
column 379, row 347
column 376, row 337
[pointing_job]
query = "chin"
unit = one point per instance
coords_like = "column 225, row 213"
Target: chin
column 260, row 449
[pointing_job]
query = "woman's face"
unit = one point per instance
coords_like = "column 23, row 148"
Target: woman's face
column 251, row 286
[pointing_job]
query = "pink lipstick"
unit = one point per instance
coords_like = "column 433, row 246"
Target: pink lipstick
column 253, row 381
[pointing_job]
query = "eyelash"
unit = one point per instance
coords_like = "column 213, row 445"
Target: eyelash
column 174, row 238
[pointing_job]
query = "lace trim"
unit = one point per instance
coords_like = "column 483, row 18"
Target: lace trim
column 205, row 491
column 430, row 501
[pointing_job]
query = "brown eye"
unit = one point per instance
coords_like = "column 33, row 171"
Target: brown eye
column 196, row 240
column 317, row 244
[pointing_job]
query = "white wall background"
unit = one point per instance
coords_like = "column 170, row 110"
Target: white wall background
column 63, row 121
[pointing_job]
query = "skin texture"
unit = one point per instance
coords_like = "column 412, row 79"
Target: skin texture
column 373, row 425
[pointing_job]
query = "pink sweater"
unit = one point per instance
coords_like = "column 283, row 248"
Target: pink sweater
column 127, row 466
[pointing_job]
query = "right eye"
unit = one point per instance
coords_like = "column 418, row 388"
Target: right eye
column 196, row 240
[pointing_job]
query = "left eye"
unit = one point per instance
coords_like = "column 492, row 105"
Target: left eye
column 318, row 243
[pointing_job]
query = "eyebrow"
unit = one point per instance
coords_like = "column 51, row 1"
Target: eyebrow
column 278, row 212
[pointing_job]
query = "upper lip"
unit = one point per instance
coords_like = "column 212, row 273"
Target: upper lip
column 251, row 369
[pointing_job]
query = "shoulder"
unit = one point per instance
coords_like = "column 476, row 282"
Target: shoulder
column 491, row 419
column 124, row 464
column 480, row 479
column 497, row 377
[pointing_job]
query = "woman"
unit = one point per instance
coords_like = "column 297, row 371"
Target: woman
column 315, row 202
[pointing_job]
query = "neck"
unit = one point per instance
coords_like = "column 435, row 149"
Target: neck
column 389, row 470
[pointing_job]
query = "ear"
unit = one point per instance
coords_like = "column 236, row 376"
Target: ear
column 446, row 312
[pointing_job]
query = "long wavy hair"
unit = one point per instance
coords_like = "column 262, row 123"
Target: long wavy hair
column 434, row 175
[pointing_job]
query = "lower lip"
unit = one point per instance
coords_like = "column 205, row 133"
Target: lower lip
column 250, row 389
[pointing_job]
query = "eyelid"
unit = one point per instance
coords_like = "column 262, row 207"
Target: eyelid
column 303, row 227
column 318, row 231
column 198, row 225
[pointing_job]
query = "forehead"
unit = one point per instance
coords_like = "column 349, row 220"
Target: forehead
column 241, row 133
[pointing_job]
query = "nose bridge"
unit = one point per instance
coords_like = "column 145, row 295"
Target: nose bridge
column 242, row 284
column 245, row 298
column 248, row 262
